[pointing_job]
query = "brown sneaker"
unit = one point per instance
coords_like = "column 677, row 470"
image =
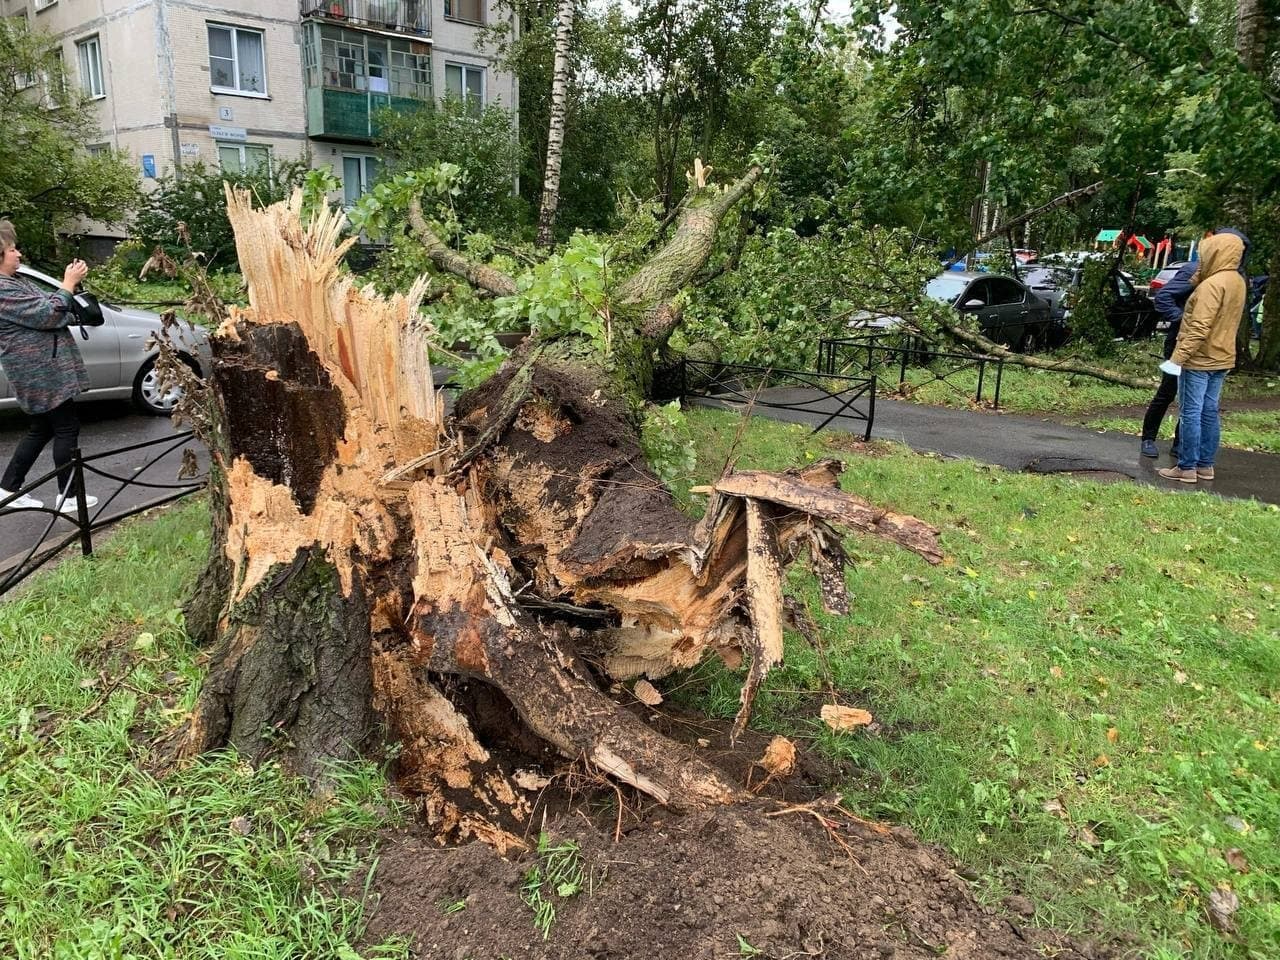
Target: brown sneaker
column 1177, row 473
column 1204, row 473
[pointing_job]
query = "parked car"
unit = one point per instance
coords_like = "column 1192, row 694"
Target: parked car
column 1132, row 314
column 1008, row 311
column 120, row 355
column 1165, row 275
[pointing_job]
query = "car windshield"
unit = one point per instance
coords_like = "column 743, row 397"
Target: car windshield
column 945, row 288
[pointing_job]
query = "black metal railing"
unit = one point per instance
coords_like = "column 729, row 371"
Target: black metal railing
column 869, row 354
column 43, row 548
column 399, row 16
column 832, row 397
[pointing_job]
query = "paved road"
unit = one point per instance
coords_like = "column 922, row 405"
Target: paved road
column 1029, row 443
column 107, row 425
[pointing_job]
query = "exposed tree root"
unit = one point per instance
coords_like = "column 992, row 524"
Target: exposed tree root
column 382, row 564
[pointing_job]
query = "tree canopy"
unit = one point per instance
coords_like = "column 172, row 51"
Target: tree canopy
column 49, row 176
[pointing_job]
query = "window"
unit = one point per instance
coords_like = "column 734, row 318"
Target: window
column 979, row 290
column 350, row 60
column 98, row 149
column 465, row 82
column 471, row 11
column 244, row 158
column 90, row 54
column 358, row 173
column 236, row 62
column 44, row 4
column 1006, row 291
column 53, row 81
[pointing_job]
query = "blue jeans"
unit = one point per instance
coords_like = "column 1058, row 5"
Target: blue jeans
column 1198, row 394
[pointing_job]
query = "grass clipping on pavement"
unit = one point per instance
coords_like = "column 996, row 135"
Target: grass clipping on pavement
column 1082, row 705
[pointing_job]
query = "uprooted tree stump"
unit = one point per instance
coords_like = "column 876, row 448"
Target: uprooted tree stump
column 378, row 572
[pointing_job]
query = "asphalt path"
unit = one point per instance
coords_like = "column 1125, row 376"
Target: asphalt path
column 1021, row 443
column 105, row 426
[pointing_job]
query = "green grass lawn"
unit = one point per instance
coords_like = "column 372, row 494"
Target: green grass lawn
column 101, row 859
column 1025, row 390
column 1243, row 429
column 1082, row 705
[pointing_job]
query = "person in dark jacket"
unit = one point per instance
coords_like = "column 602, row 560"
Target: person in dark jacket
column 1170, row 301
column 45, row 371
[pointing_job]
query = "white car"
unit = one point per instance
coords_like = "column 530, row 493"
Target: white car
column 120, row 355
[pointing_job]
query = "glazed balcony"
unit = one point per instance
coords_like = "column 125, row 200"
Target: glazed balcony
column 409, row 17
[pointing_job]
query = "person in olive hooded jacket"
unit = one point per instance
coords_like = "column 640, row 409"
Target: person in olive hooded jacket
column 1206, row 351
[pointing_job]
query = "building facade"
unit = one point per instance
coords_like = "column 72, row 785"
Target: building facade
column 244, row 83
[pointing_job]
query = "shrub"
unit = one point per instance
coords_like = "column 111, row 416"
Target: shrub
column 196, row 199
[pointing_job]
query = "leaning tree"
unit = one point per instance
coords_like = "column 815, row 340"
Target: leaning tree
column 470, row 588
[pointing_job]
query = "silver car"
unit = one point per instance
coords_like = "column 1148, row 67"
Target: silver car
column 120, row 355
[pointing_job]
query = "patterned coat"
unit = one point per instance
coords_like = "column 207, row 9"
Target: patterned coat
column 37, row 352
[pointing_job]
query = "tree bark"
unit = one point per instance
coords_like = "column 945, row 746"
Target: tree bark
column 1269, row 348
column 555, row 135
column 976, row 340
column 1252, row 23
column 458, row 585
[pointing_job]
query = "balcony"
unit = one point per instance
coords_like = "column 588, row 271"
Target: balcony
column 344, row 115
column 410, row 17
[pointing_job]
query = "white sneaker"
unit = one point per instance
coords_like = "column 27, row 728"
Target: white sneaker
column 22, row 502
column 69, row 504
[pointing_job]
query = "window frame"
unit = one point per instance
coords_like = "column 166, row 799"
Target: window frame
column 235, row 31
column 42, row 5
column 455, row 18
column 406, row 71
column 86, row 85
column 465, row 68
column 1002, row 287
column 365, row 181
column 220, row 145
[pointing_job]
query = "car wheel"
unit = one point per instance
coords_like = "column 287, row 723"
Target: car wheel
column 153, row 397
column 1026, row 342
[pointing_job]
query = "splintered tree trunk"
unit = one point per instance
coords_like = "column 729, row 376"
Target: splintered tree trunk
column 456, row 587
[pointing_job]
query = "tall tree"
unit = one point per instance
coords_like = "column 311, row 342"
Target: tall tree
column 49, row 178
column 555, row 130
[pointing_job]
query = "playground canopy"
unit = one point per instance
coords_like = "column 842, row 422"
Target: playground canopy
column 1111, row 236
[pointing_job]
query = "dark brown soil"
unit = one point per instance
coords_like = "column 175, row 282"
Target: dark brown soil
column 713, row 885
column 792, row 880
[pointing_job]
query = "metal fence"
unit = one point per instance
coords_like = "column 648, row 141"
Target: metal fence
column 830, row 396
column 868, row 354
column 45, row 548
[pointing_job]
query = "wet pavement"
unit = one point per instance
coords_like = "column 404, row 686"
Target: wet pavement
column 1026, row 443
column 105, row 425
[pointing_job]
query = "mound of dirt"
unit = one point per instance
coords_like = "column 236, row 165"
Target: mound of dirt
column 764, row 880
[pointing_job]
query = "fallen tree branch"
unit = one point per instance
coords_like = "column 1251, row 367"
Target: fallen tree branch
column 477, row 274
column 674, row 266
column 1008, row 225
column 979, row 342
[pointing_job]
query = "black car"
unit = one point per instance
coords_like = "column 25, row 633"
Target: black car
column 1132, row 314
column 1007, row 310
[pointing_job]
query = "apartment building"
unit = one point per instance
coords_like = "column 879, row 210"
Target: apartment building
column 242, row 83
